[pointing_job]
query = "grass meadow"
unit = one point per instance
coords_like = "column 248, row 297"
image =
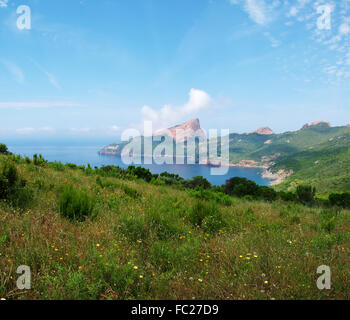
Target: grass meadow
column 143, row 241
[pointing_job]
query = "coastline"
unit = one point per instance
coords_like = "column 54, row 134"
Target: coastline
column 275, row 178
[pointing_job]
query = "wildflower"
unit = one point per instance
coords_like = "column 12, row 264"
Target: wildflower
column 3, row 299
column 266, row 282
column 200, row 280
column 135, row 267
column 141, row 276
column 97, row 245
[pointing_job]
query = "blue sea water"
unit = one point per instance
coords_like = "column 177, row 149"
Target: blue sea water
column 89, row 154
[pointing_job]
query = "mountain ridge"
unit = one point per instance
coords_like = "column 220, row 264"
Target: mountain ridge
column 285, row 157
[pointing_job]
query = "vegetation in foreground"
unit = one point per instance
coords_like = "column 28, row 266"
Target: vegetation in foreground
column 102, row 234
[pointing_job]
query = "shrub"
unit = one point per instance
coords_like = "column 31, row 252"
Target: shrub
column 197, row 182
column 206, row 215
column 58, row 166
column 3, row 149
column 306, row 194
column 267, row 193
column 287, row 196
column 328, row 220
column 241, row 187
column 340, row 199
column 76, row 205
column 132, row 193
column 140, row 173
column 12, row 187
column 38, row 160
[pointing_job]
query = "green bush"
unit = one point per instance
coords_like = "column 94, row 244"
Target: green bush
column 306, row 194
column 206, row 215
column 132, row 193
column 241, row 187
column 12, row 187
column 3, row 149
column 287, row 196
column 328, row 220
column 58, row 166
column 267, row 193
column 340, row 199
column 76, row 205
column 38, row 160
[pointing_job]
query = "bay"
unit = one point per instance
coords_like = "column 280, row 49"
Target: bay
column 82, row 155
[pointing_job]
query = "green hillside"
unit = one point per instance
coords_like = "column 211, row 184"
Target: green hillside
column 317, row 154
column 105, row 234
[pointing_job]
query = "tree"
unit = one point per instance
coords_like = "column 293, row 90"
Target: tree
column 241, row 187
column 3, row 149
column 340, row 199
column 306, row 194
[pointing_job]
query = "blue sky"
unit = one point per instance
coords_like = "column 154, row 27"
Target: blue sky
column 86, row 70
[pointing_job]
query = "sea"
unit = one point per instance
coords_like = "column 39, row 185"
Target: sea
column 83, row 155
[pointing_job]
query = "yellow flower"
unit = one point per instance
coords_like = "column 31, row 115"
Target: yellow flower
column 141, row 277
column 135, row 267
column 97, row 245
column 266, row 282
column 200, row 280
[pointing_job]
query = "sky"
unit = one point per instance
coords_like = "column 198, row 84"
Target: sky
column 85, row 70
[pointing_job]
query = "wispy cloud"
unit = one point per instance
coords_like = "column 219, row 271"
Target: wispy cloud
column 38, row 105
column 260, row 11
column 51, row 78
column 169, row 115
column 14, row 70
column 3, row 3
column 30, row 130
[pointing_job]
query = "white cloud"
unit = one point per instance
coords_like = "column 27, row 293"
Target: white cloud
column 344, row 29
column 257, row 11
column 15, row 71
column 115, row 128
column 52, row 79
column 38, row 105
column 25, row 130
column 30, row 130
column 3, row 3
column 260, row 11
column 293, row 11
column 169, row 115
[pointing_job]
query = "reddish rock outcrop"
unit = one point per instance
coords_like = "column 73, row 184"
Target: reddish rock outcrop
column 181, row 132
column 263, row 131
